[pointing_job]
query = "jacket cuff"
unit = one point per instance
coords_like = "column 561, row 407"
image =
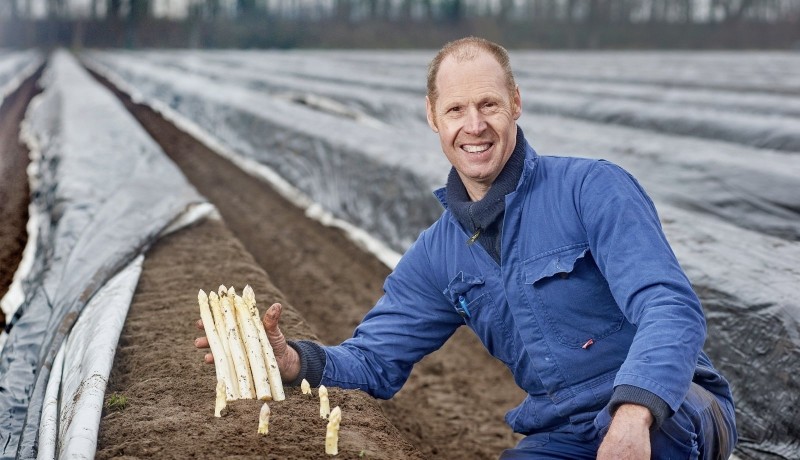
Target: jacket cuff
column 312, row 362
column 628, row 394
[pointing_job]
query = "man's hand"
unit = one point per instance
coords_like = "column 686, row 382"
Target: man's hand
column 628, row 437
column 287, row 357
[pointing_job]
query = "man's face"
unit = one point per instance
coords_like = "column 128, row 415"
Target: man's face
column 475, row 117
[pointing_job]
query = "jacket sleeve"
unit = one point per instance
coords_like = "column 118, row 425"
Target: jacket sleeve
column 411, row 320
column 648, row 284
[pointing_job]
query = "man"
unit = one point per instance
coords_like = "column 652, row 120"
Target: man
column 561, row 268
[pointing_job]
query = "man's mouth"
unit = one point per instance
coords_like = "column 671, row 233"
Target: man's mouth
column 469, row 148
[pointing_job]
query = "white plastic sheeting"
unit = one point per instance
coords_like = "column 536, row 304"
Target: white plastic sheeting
column 71, row 415
column 103, row 192
column 354, row 169
column 726, row 186
column 368, row 242
column 15, row 67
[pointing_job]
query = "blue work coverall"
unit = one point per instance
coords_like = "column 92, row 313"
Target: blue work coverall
column 589, row 296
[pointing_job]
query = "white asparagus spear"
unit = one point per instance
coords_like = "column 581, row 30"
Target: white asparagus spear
column 324, row 403
column 221, row 402
column 255, row 356
column 222, row 291
column 273, row 372
column 243, row 377
column 215, row 342
column 263, row 419
column 231, row 386
column 332, row 432
column 305, row 387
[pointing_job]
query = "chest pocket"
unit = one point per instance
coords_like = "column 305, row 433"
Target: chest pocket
column 472, row 300
column 573, row 296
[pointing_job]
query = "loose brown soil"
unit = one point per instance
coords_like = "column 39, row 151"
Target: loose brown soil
column 170, row 392
column 452, row 406
column 14, row 192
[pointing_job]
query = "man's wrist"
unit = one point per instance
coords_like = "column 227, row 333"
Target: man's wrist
column 628, row 394
column 311, row 359
column 634, row 413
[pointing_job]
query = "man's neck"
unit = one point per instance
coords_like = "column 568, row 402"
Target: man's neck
column 480, row 209
column 476, row 192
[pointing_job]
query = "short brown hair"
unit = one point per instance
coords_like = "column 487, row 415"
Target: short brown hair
column 466, row 49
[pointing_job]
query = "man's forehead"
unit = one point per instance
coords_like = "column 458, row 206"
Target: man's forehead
column 466, row 55
column 483, row 67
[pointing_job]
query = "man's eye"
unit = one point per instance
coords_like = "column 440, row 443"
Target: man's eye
column 454, row 110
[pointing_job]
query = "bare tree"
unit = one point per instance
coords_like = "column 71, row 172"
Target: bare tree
column 452, row 10
column 95, row 10
column 507, row 10
column 56, row 8
column 245, row 8
column 113, row 9
column 212, row 9
column 138, row 10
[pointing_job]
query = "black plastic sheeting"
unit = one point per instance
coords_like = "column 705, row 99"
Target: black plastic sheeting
column 104, row 192
column 778, row 135
column 757, row 346
column 750, row 293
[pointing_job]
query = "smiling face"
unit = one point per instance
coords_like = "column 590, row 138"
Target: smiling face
column 475, row 117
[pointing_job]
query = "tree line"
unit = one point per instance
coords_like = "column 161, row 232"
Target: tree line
column 401, row 23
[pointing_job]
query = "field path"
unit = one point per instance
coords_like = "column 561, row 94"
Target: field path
column 13, row 183
column 453, row 405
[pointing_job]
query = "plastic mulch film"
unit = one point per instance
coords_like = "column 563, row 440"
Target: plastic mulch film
column 73, row 402
column 729, row 204
column 103, row 192
column 15, row 67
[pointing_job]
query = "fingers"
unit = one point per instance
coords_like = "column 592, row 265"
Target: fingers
column 202, row 342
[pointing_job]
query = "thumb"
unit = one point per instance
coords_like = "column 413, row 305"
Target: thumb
column 287, row 357
column 274, row 334
column 271, row 318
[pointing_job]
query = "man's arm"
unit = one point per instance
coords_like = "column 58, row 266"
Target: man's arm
column 628, row 437
column 411, row 320
column 647, row 282
column 654, row 294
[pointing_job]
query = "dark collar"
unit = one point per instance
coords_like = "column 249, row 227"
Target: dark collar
column 479, row 215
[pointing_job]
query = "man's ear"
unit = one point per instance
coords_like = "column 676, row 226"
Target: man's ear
column 517, row 103
column 429, row 114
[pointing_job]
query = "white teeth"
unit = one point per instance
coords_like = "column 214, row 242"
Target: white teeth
column 476, row 148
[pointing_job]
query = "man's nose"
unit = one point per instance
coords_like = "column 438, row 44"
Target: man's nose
column 474, row 122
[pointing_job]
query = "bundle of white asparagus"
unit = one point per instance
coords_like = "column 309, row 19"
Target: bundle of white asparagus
column 243, row 358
